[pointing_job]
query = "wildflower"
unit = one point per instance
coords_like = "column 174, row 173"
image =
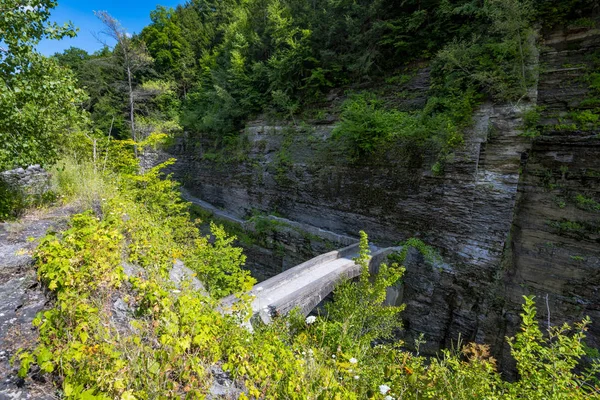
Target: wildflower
column 383, row 389
column 303, row 353
column 333, row 356
column 311, row 319
column 353, row 360
column 356, row 377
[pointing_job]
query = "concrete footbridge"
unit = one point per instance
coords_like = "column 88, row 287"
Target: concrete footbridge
column 306, row 285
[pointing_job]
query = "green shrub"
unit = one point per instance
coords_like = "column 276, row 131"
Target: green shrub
column 531, row 119
column 586, row 119
column 219, row 265
column 12, row 201
column 366, row 124
column 586, row 203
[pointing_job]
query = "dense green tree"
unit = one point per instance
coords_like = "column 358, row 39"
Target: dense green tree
column 164, row 40
column 172, row 52
column 99, row 75
column 39, row 102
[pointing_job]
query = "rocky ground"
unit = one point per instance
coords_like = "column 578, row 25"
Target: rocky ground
column 22, row 297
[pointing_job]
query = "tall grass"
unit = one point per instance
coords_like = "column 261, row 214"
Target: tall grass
column 79, row 182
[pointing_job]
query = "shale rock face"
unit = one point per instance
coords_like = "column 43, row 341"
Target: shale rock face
column 555, row 247
column 493, row 214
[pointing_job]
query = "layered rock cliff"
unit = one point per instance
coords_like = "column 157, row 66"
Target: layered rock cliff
column 511, row 215
column 555, row 248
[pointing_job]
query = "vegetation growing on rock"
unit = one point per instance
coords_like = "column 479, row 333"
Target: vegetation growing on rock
column 137, row 335
column 119, row 327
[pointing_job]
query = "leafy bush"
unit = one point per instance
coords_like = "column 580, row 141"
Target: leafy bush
column 366, row 124
column 586, row 203
column 586, row 119
column 12, row 201
column 219, row 265
column 145, row 223
column 546, row 364
column 531, row 119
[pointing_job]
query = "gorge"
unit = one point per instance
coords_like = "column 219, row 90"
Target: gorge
column 504, row 214
column 303, row 200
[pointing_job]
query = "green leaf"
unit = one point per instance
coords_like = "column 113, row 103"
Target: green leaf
column 128, row 395
column 67, row 389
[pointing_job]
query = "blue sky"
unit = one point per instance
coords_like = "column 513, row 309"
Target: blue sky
column 133, row 15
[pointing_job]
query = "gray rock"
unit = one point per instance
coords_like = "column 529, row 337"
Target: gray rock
column 223, row 387
column 33, row 181
column 132, row 270
column 180, row 273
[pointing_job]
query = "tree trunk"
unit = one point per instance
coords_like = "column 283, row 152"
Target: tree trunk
column 131, row 109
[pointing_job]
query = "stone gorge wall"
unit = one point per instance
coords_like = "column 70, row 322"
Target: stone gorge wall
column 491, row 214
column 555, row 248
column 466, row 213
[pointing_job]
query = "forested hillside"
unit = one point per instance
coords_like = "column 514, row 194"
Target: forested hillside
column 216, row 64
column 122, row 320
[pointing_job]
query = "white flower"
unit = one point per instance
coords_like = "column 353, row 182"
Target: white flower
column 333, row 356
column 356, row 377
column 311, row 319
column 303, row 353
column 353, row 360
column 383, row 389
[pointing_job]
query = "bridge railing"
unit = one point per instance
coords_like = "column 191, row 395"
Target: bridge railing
column 309, row 297
column 306, row 298
column 289, row 274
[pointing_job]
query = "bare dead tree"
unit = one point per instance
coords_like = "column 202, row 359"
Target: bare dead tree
column 135, row 57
